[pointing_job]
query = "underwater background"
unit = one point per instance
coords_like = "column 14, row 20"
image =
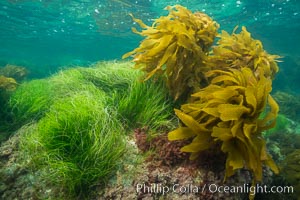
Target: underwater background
column 44, row 35
column 77, row 122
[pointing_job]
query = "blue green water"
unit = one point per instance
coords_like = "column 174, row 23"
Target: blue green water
column 44, row 35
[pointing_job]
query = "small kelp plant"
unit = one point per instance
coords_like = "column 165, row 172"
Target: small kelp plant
column 7, row 83
column 234, row 106
column 238, row 50
column 227, row 112
column 176, row 46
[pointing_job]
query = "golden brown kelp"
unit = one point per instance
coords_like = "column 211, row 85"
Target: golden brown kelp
column 7, row 83
column 230, row 105
column 227, row 112
column 176, row 47
column 241, row 50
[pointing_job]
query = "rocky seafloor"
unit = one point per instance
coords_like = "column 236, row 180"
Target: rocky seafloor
column 150, row 170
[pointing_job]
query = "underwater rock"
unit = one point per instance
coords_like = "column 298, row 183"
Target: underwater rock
column 291, row 170
column 149, row 178
column 289, row 104
column 13, row 175
column 17, row 180
column 282, row 143
column 16, row 72
column 168, row 153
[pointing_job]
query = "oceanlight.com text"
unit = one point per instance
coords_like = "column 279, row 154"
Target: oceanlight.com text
column 158, row 188
column 246, row 188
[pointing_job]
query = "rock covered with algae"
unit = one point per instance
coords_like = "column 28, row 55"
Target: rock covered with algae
column 16, row 72
column 10, row 75
column 291, row 169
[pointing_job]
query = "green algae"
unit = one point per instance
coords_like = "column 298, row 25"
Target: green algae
column 282, row 123
column 137, row 103
column 78, row 142
column 82, row 116
column 31, row 100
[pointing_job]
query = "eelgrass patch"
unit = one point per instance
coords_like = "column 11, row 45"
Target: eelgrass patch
column 137, row 103
column 78, row 142
column 31, row 100
column 145, row 105
column 82, row 119
column 111, row 76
